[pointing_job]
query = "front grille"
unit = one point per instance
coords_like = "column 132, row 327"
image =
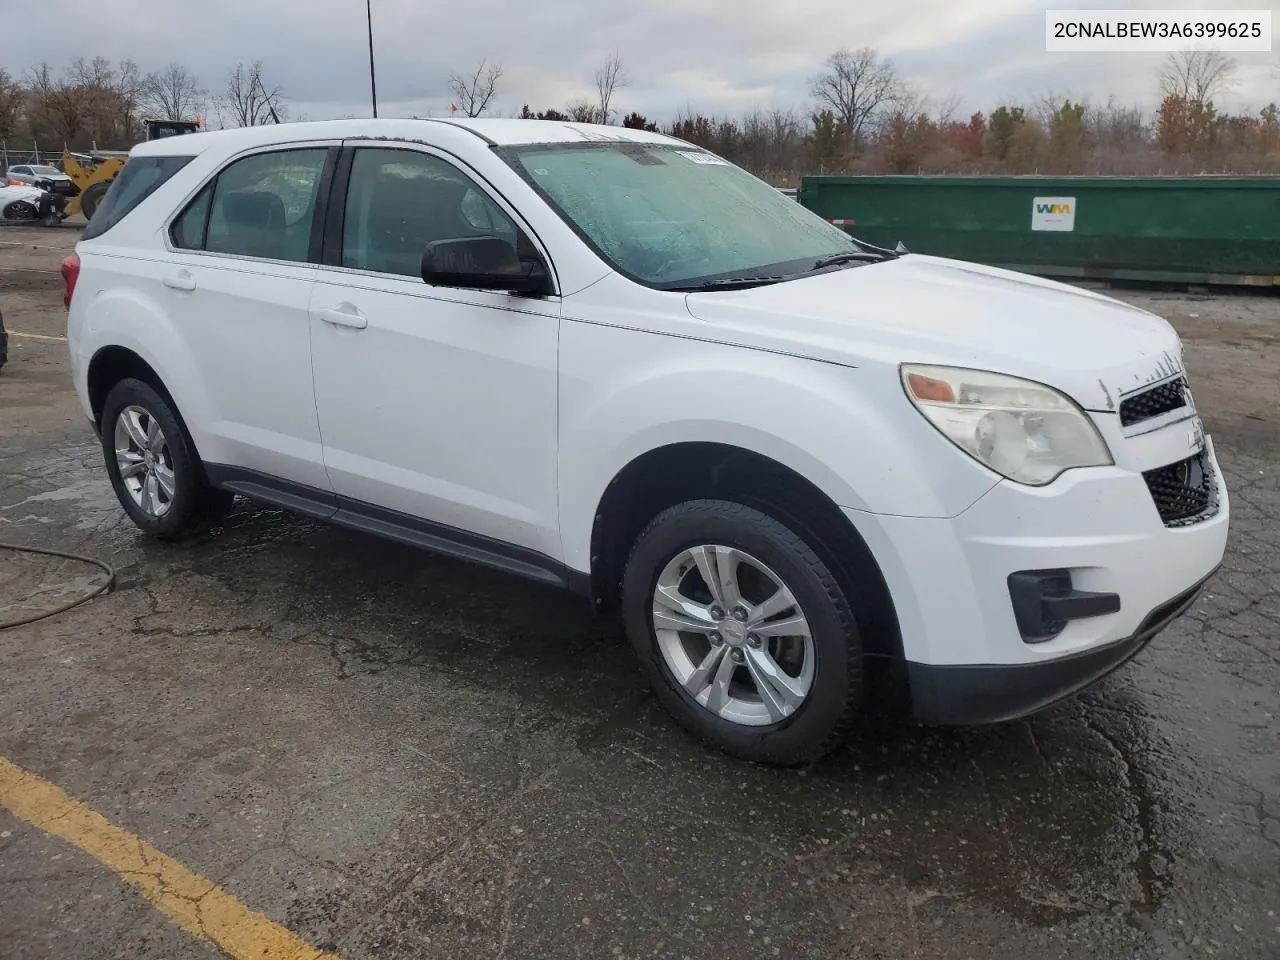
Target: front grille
column 1183, row 492
column 1154, row 402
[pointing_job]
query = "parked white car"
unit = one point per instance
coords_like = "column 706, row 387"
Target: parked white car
column 609, row 360
column 21, row 203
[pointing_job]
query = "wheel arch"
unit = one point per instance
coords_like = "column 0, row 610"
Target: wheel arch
column 667, row 475
column 113, row 363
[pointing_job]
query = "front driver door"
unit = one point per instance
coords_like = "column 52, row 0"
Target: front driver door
column 437, row 406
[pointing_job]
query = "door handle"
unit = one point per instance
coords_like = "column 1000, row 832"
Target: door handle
column 182, row 280
column 344, row 318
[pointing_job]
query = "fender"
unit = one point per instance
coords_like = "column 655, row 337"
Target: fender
column 625, row 393
column 136, row 324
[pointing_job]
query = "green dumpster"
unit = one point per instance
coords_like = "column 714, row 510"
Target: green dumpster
column 1180, row 229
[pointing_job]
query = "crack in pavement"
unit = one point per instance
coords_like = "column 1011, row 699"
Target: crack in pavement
column 1150, row 883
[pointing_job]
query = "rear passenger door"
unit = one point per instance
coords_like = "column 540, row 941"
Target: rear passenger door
column 237, row 283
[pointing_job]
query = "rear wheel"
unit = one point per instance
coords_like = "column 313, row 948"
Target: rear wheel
column 91, row 197
column 153, row 466
column 744, row 633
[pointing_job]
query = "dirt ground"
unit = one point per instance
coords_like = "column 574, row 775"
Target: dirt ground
column 398, row 756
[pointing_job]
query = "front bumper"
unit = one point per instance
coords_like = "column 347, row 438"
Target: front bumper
column 966, row 655
column 973, row 695
column 62, row 188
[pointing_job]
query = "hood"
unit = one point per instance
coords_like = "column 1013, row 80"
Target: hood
column 921, row 309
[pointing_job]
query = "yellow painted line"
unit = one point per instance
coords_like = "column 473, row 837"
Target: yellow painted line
column 37, row 336
column 194, row 903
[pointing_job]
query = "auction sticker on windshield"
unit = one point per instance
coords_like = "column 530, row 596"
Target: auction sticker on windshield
column 698, row 156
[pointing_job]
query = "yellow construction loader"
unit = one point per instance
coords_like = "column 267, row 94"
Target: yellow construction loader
column 92, row 173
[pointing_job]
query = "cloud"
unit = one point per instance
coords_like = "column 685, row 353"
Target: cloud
column 712, row 55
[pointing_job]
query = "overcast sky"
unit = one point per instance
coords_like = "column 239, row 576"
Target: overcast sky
column 710, row 55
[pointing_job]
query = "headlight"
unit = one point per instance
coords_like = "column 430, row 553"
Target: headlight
column 1022, row 430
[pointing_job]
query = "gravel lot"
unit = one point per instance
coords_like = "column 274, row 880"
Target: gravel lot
column 398, row 756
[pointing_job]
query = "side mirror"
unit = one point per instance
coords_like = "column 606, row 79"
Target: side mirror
column 481, row 263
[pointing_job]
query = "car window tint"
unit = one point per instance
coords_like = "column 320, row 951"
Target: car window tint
column 140, row 178
column 264, row 205
column 398, row 201
column 188, row 230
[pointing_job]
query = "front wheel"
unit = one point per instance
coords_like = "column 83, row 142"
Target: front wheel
column 743, row 631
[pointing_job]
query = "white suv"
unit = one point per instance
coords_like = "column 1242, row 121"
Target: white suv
column 609, row 360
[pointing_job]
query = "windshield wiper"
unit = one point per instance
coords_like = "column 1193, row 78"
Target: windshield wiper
column 729, row 283
column 849, row 256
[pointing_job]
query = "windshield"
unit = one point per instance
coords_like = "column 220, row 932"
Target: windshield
column 674, row 216
column 45, row 171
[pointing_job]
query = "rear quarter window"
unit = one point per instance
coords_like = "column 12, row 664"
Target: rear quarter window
column 140, row 178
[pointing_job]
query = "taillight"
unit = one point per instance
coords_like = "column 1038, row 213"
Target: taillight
column 70, row 274
column 16, row 183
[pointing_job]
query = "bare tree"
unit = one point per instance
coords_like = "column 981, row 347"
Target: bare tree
column 475, row 90
column 582, row 111
column 11, row 97
column 247, row 101
column 1045, row 106
column 129, row 94
column 58, row 107
column 858, row 87
column 93, row 83
column 908, row 103
column 95, row 74
column 1197, row 75
column 173, row 93
column 610, row 75
column 946, row 111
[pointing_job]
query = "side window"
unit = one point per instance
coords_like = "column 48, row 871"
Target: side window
column 398, row 201
column 260, row 206
column 188, row 229
column 141, row 177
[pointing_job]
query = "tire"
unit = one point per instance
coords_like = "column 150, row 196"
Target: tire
column 91, row 197
column 181, row 501
column 777, row 733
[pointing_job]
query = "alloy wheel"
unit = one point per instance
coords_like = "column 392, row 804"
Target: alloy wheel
column 142, row 456
column 733, row 635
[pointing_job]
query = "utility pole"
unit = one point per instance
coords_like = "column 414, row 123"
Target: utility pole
column 266, row 98
column 373, row 83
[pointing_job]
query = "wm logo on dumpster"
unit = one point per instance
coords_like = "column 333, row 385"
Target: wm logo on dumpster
column 1057, row 214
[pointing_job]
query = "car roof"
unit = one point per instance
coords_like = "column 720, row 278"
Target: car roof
column 500, row 132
